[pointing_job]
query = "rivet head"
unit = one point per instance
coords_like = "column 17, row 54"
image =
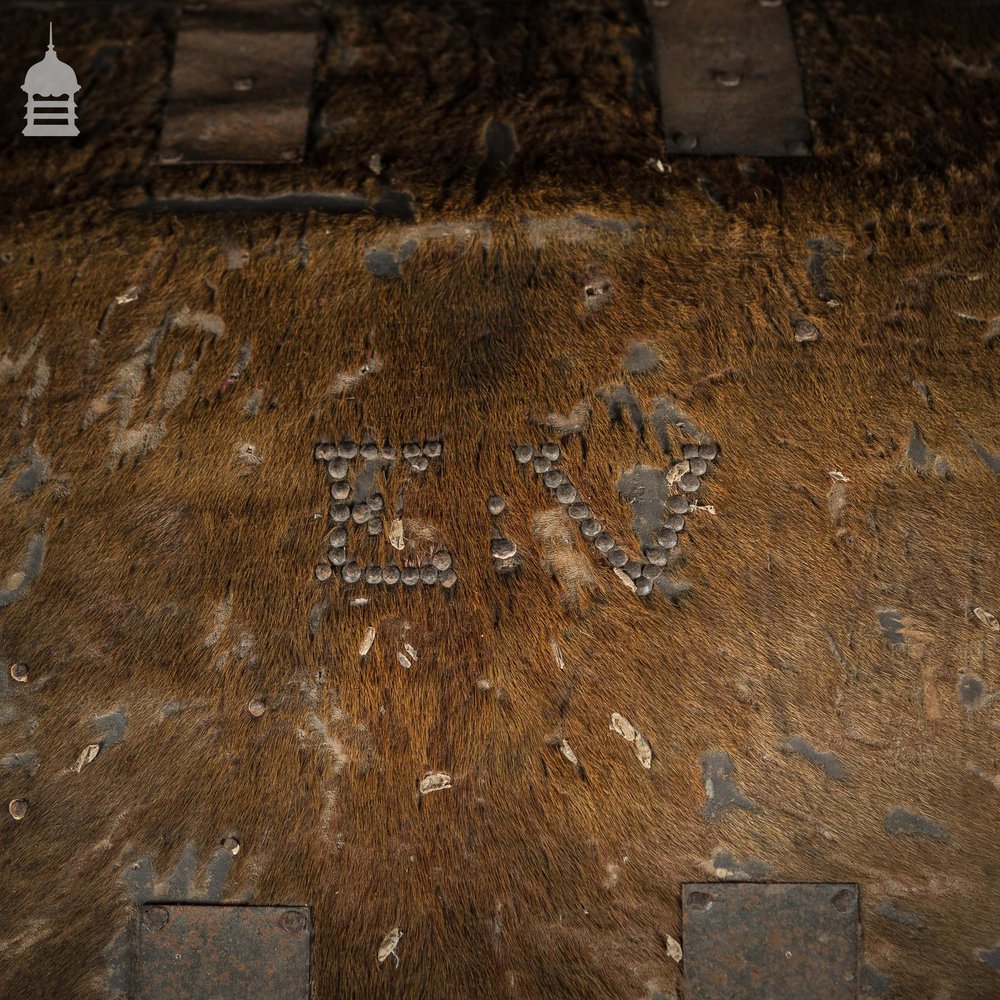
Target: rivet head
column 390, row 575
column 351, row 573
column 231, row 844
column 323, row 571
column 550, row 451
column 256, row 708
column 155, row 917
column 689, row 482
column 410, row 575
column 449, row 578
column 617, row 557
column 523, row 453
column 502, row 548
column 18, row 809
column 495, row 505
column 728, row 78
column 19, row 672
column 441, row 560
column 643, row 586
column 293, row 921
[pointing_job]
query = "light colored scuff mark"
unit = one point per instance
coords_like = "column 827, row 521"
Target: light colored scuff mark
column 253, row 401
column 557, row 654
column 674, row 949
column 567, row 751
column 220, row 619
column 987, row 618
column 87, row 756
column 410, row 651
column 561, row 556
column 344, row 382
column 403, row 660
column 576, row 422
column 11, row 368
column 247, row 459
column 838, row 476
column 203, row 322
column 640, row 745
column 43, row 373
column 625, row 578
column 131, row 294
column 367, row 642
column 17, row 582
column 434, row 781
column 177, row 385
column 396, row 539
column 576, row 229
column 388, row 946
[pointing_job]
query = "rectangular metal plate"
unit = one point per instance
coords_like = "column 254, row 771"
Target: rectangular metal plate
column 793, row 941
column 191, row 952
column 729, row 78
column 241, row 83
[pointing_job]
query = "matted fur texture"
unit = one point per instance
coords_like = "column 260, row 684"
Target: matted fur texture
column 819, row 698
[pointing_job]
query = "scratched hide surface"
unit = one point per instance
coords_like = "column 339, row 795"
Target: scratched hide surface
column 495, row 791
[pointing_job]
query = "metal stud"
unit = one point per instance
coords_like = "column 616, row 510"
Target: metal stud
column 19, row 671
column 18, row 809
column 553, row 478
column 689, row 451
column 409, row 575
column 390, row 574
column 495, row 505
column 643, row 586
column 389, row 453
column 369, row 451
column 420, row 463
column 708, row 451
column 324, row 452
column 347, row 449
column 376, row 502
column 433, row 449
column 523, row 453
column 667, row 540
column 699, row 466
column 361, row 513
column 340, row 512
column 373, row 575
column 337, row 468
column 428, row 575
column 337, row 557
column 375, row 527
column 633, row 569
column 541, row 464
column 617, row 557
column 411, row 450
column 566, row 493
column 340, row 490
column 323, row 571
column 689, row 482
column 678, row 505
column 590, row 528
column 651, row 572
column 502, row 548
column 675, row 522
column 351, row 573
column 449, row 578
column 441, row 560
column 256, row 708
column 657, row 555
column 550, row 451
column 579, row 511
column 338, row 538
column 604, row 542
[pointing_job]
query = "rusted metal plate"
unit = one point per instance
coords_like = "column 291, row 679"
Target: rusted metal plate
column 729, row 78
column 192, row 952
column 797, row 941
column 241, row 83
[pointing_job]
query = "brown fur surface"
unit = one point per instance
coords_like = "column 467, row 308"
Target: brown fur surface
column 819, row 698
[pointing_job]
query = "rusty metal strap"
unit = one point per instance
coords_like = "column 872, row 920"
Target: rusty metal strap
column 241, row 83
column 729, row 78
